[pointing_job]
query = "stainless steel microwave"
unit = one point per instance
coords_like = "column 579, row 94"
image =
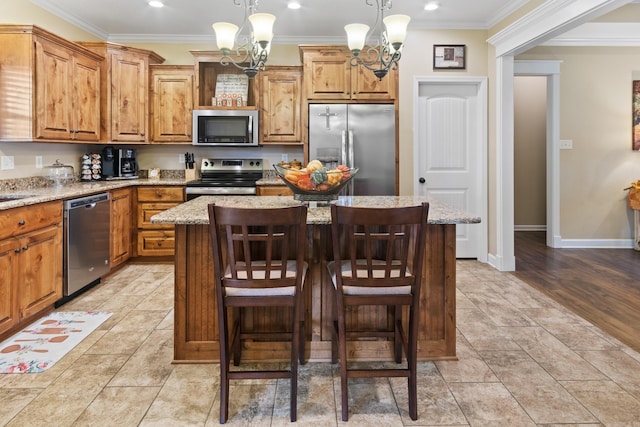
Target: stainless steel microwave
column 225, row 128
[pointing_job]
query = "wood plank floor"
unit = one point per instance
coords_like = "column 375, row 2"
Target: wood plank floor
column 600, row 285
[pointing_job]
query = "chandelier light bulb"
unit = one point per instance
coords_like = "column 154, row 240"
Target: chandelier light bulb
column 225, row 34
column 262, row 24
column 356, row 36
column 396, row 29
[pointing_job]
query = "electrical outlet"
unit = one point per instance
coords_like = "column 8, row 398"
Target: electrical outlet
column 7, row 163
column 181, row 159
column 38, row 162
column 285, row 157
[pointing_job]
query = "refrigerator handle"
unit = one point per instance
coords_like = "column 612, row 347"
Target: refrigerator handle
column 350, row 160
column 343, row 149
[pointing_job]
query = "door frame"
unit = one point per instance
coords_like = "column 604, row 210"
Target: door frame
column 551, row 70
column 481, row 161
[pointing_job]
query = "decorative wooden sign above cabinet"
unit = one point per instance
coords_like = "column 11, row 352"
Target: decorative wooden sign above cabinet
column 51, row 89
column 207, row 69
column 124, row 90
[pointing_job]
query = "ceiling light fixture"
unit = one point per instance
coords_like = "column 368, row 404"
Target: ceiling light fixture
column 293, row 5
column 385, row 54
column 253, row 48
column 431, row 6
column 155, row 3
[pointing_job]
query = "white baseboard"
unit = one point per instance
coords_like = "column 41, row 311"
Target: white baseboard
column 530, row 227
column 597, row 244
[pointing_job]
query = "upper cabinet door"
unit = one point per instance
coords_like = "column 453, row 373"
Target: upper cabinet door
column 280, row 120
column 366, row 86
column 86, row 99
column 53, row 91
column 128, row 97
column 172, row 103
column 327, row 76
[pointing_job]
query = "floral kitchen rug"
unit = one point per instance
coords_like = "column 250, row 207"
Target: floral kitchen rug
column 40, row 345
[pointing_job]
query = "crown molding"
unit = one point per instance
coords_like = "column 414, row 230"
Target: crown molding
column 62, row 14
column 599, row 34
column 548, row 21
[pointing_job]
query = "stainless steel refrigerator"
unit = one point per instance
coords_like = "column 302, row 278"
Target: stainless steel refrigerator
column 360, row 136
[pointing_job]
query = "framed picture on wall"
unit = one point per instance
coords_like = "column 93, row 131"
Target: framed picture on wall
column 636, row 115
column 449, row 56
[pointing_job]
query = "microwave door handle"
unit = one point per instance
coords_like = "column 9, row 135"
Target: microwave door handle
column 250, row 128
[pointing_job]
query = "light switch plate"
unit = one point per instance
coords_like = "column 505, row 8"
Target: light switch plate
column 7, row 163
column 566, row 144
column 285, row 157
column 38, row 162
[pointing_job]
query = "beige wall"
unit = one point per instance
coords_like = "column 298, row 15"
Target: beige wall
column 417, row 60
column 530, row 139
column 595, row 113
column 25, row 12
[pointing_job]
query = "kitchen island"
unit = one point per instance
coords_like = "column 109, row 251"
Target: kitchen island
column 195, row 318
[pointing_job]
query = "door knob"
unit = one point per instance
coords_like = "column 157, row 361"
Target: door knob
column 422, row 180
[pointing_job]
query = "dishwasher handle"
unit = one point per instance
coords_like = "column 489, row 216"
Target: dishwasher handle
column 86, row 202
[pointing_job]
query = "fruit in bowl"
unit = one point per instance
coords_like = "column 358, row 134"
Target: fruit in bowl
column 315, row 177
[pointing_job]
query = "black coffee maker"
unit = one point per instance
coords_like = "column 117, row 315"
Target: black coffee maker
column 119, row 163
column 109, row 162
column 127, row 167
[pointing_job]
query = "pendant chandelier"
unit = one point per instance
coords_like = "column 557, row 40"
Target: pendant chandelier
column 385, row 53
column 252, row 49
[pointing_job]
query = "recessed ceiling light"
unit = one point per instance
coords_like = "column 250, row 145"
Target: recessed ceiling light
column 431, row 6
column 293, row 5
column 155, row 3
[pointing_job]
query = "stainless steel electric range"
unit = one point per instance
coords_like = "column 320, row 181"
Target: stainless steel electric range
column 226, row 177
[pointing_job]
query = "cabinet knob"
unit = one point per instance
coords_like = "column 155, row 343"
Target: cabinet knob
column 141, row 133
column 25, row 247
column 21, row 222
column 17, row 250
column 159, row 194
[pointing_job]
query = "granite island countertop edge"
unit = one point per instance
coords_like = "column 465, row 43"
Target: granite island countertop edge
column 194, row 211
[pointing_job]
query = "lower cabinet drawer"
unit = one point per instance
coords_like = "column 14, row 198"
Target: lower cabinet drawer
column 156, row 242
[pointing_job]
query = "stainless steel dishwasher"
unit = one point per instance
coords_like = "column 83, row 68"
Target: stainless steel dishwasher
column 86, row 241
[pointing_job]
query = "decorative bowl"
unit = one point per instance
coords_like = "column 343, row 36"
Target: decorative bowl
column 308, row 190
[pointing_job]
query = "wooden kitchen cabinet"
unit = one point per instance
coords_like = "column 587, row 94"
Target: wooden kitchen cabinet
column 31, row 262
column 171, row 103
column 273, row 190
column 156, row 239
column 52, row 87
column 280, row 105
column 124, row 91
column 121, row 226
column 329, row 75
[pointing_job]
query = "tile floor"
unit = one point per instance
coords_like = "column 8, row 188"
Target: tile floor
column 523, row 361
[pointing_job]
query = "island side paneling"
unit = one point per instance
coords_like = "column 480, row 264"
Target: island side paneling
column 196, row 323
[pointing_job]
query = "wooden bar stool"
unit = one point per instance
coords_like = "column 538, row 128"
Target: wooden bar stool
column 378, row 257
column 258, row 262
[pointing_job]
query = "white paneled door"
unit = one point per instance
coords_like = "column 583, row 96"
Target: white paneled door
column 450, row 131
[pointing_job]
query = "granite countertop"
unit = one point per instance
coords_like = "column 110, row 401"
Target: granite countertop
column 31, row 192
column 195, row 211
